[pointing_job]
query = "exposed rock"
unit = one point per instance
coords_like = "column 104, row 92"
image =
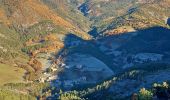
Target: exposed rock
column 168, row 21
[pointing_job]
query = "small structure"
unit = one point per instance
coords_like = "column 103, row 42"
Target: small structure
column 41, row 80
column 68, row 83
column 62, row 65
column 84, row 78
column 45, row 73
column 68, row 67
column 53, row 69
column 79, row 66
column 51, row 78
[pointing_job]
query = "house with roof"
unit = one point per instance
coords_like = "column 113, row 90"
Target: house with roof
column 68, row 83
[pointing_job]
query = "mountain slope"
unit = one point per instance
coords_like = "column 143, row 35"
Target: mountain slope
column 82, row 48
column 26, row 13
column 69, row 12
column 110, row 14
column 25, row 23
column 22, row 15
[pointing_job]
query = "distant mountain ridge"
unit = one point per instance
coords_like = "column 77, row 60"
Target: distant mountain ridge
column 108, row 14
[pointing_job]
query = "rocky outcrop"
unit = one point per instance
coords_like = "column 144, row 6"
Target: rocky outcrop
column 168, row 21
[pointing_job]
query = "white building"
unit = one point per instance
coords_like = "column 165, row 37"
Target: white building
column 41, row 80
column 53, row 69
column 52, row 78
column 68, row 67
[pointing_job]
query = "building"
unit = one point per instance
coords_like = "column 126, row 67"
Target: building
column 62, row 65
column 52, row 78
column 53, row 69
column 79, row 66
column 68, row 67
column 41, row 80
column 68, row 83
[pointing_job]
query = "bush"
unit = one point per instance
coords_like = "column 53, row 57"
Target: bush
column 145, row 94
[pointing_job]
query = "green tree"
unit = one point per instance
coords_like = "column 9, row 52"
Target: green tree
column 145, row 94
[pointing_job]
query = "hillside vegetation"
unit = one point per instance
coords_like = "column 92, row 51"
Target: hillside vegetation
column 139, row 14
column 60, row 49
column 23, row 20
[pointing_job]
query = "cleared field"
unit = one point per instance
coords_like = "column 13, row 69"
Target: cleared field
column 82, row 65
column 10, row 74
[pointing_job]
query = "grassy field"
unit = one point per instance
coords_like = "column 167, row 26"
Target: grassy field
column 10, row 74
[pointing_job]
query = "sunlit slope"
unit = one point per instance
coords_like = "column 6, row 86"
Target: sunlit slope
column 25, row 13
column 110, row 14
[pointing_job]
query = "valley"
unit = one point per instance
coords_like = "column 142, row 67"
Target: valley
column 82, row 49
